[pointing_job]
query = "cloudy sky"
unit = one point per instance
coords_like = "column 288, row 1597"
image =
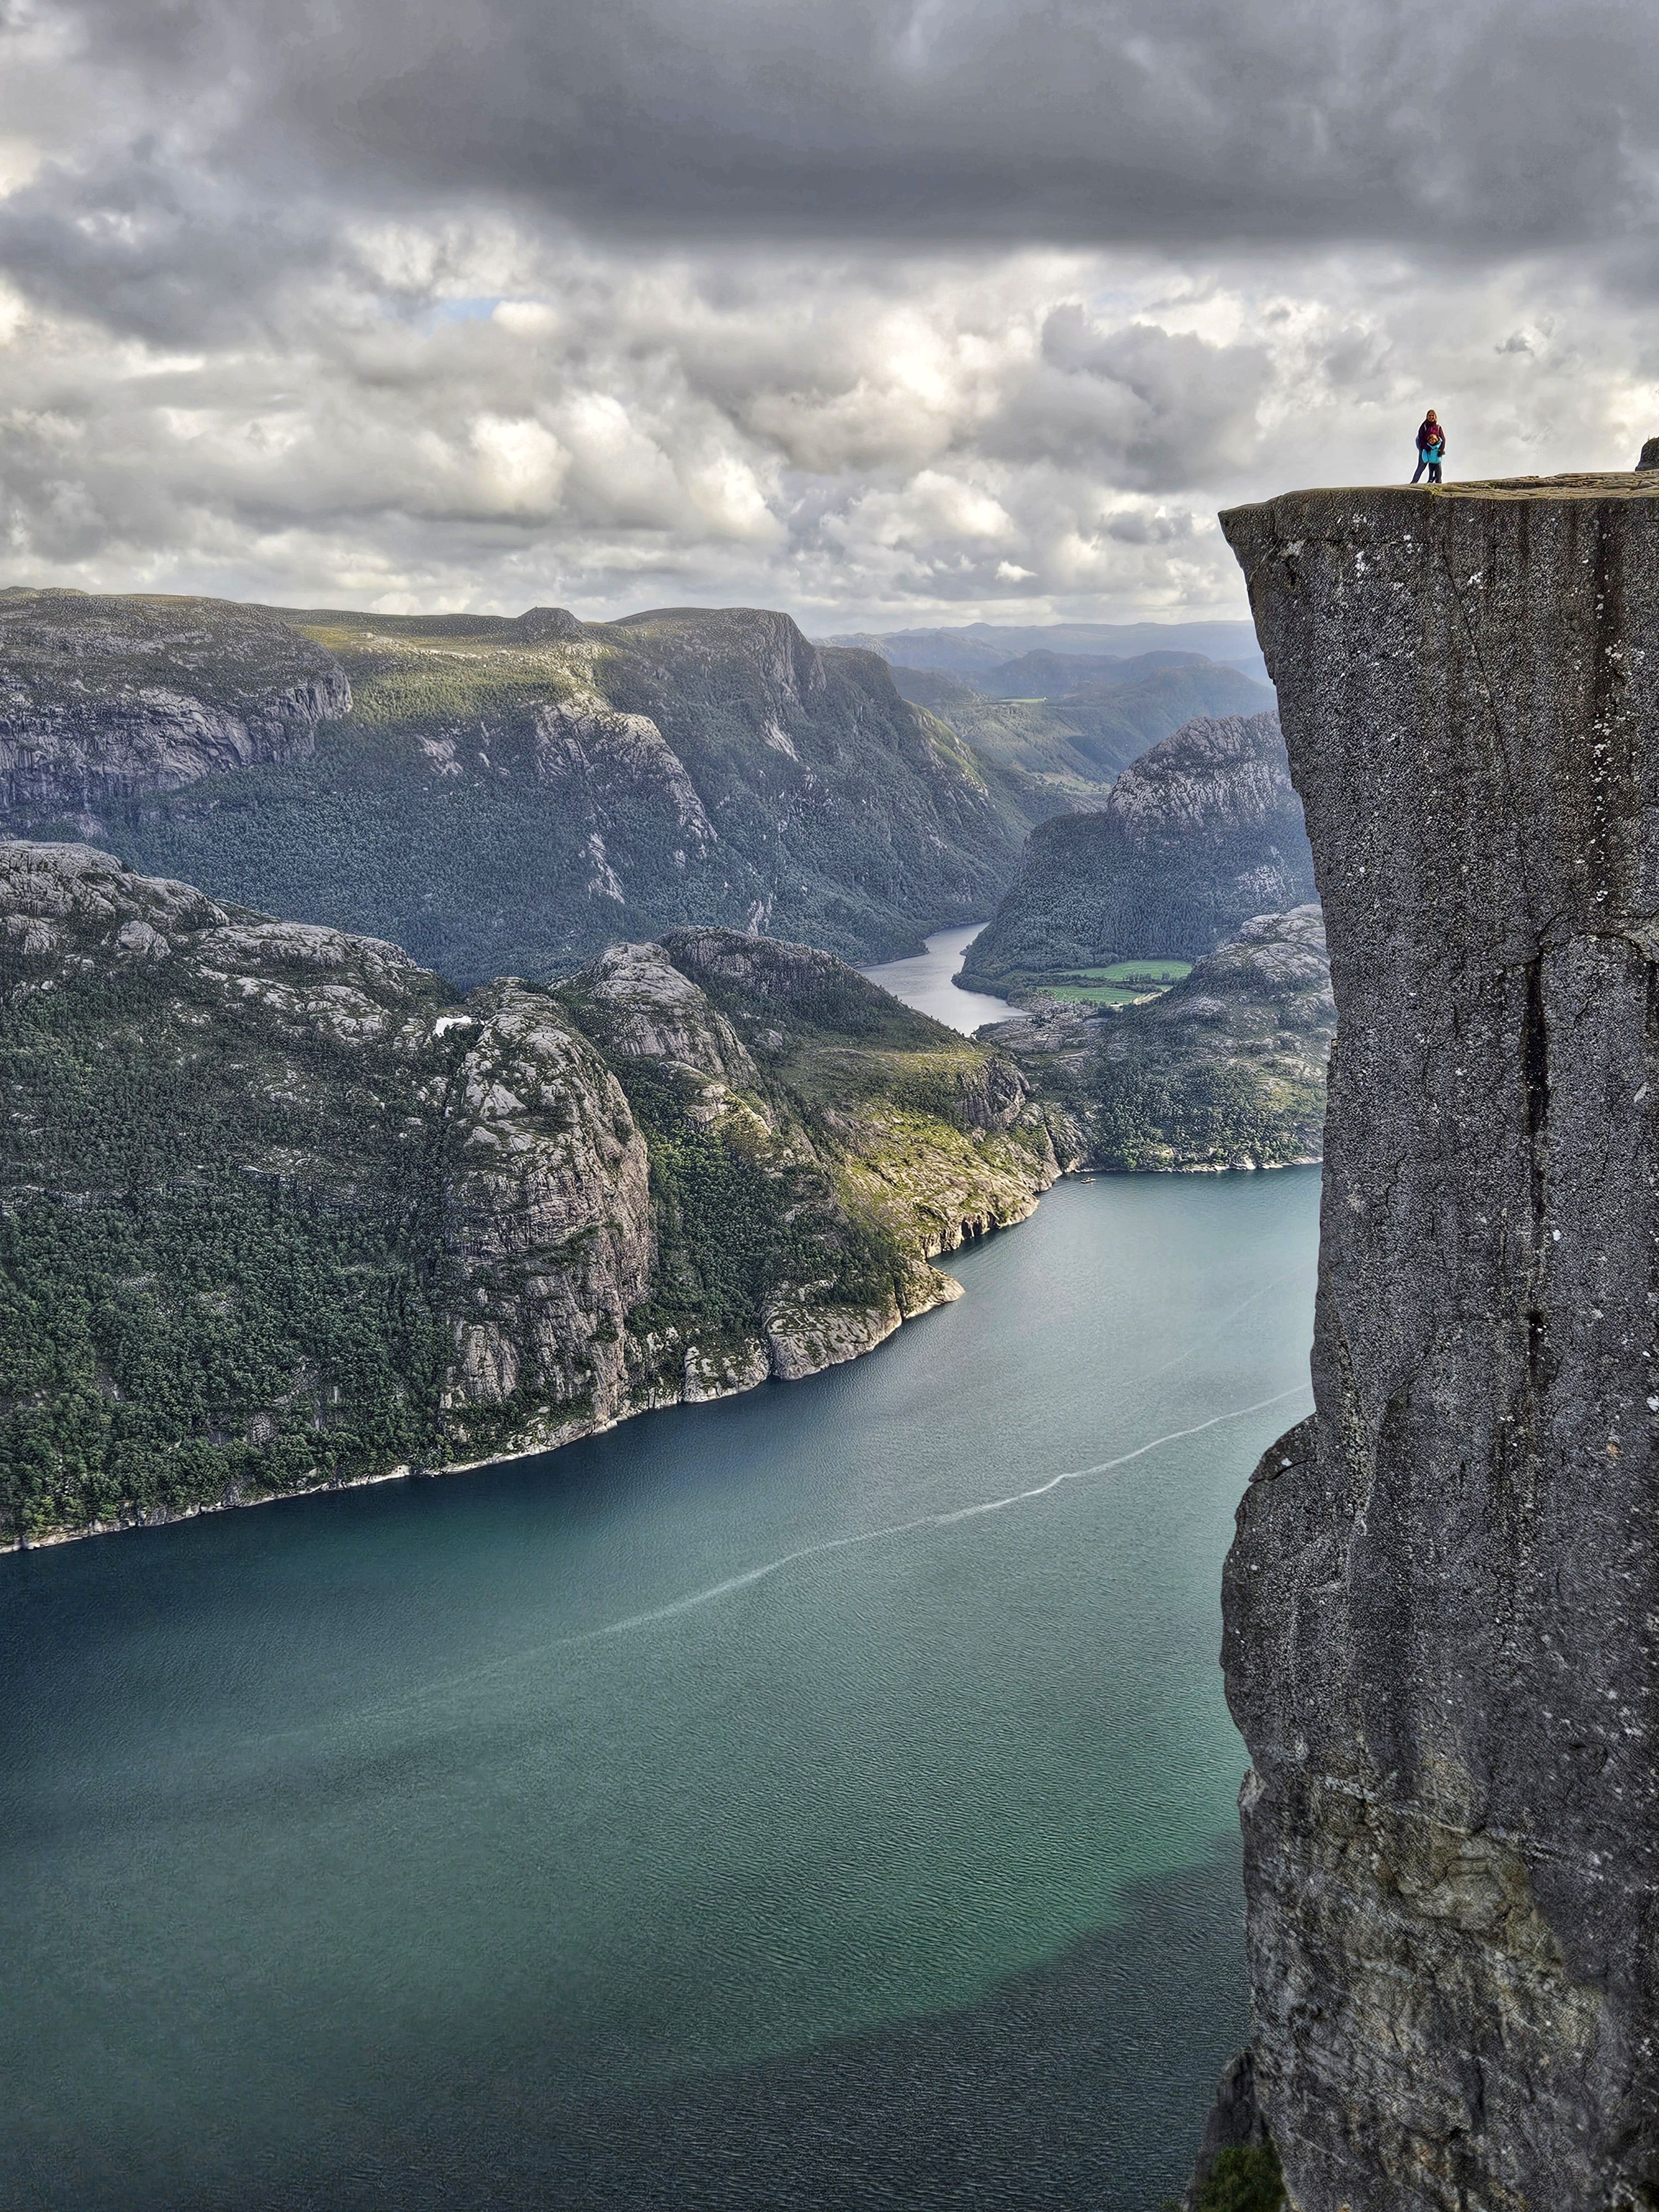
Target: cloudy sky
column 887, row 311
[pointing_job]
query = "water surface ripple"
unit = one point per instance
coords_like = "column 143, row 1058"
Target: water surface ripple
column 822, row 1798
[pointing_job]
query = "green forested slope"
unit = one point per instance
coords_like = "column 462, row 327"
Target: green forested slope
column 1225, row 1069
column 508, row 795
column 278, row 1208
column 1202, row 831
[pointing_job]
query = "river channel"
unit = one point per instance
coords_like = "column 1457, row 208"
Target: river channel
column 925, row 981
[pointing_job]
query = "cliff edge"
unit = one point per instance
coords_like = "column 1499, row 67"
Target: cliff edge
column 1442, row 1608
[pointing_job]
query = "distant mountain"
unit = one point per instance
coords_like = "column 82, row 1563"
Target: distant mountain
column 1117, row 722
column 1055, row 675
column 282, row 1210
column 495, row 794
column 1057, row 752
column 966, row 649
column 1226, row 1069
column 1200, row 832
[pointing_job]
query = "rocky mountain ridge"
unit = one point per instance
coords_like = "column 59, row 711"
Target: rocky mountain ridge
column 498, row 794
column 279, row 1209
column 103, row 700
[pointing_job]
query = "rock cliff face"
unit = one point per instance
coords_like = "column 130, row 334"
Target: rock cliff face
column 1198, row 834
column 279, row 1209
column 103, row 698
column 1442, row 1610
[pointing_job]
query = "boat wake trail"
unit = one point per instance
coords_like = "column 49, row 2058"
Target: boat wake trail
column 960, row 1513
column 472, row 1678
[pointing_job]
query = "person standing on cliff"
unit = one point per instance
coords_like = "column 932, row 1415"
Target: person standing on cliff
column 1431, row 447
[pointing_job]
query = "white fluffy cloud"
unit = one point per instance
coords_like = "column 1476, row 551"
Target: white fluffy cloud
column 342, row 377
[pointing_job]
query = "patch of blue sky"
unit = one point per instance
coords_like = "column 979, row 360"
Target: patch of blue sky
column 475, row 310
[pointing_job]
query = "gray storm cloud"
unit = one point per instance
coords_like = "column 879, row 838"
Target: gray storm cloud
column 849, row 305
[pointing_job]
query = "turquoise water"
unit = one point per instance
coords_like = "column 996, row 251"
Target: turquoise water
column 822, row 1798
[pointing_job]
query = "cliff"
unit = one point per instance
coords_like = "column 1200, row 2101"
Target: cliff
column 498, row 795
column 1441, row 1605
column 103, row 698
column 279, row 1209
column 1225, row 1069
column 1202, row 831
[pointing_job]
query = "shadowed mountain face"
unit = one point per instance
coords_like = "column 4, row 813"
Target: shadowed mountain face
column 1203, row 831
column 499, row 794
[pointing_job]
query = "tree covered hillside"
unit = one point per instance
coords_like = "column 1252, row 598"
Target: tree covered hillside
column 279, row 1209
column 1224, row 1070
column 1199, row 832
column 502, row 794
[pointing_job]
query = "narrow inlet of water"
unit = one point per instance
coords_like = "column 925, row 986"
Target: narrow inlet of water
column 925, row 981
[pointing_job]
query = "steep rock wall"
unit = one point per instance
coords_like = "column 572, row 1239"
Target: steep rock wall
column 103, row 698
column 1442, row 1607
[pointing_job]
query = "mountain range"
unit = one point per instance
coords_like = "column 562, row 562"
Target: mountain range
column 967, row 649
column 500, row 794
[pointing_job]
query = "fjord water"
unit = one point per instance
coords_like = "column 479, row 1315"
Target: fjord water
column 923, row 982
column 819, row 1799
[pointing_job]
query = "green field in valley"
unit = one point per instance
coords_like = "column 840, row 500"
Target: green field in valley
column 1123, row 984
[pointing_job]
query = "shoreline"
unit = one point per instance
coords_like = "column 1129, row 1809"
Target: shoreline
column 407, row 1472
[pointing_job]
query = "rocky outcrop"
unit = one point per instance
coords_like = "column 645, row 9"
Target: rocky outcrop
column 546, row 1224
column 1225, row 1069
column 105, row 699
column 605, row 760
column 658, row 1013
column 1442, row 1609
column 1234, row 2124
column 279, row 1209
column 1201, row 832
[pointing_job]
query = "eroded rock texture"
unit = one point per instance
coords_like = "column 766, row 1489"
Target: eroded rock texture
column 102, row 698
column 1441, row 1608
